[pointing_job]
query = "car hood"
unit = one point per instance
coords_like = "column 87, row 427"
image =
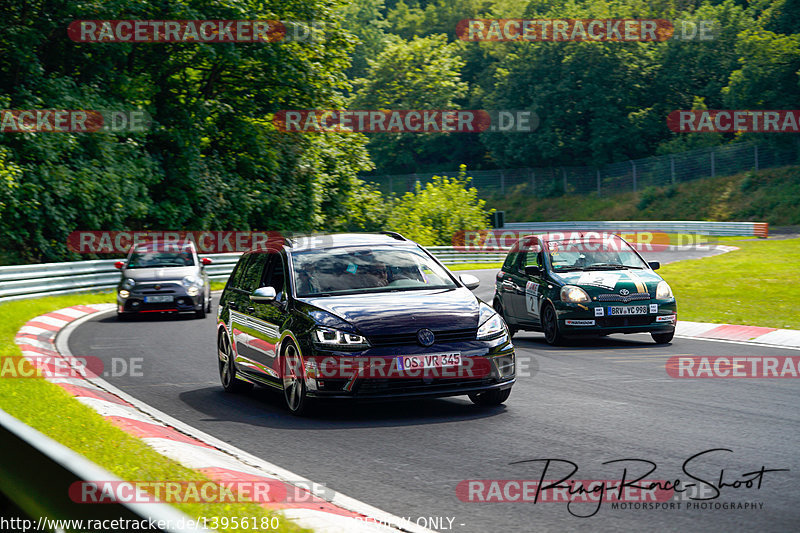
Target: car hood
column 611, row 281
column 159, row 273
column 403, row 312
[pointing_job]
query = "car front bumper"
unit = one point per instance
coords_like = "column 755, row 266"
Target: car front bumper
column 578, row 320
column 397, row 390
column 180, row 301
column 486, row 366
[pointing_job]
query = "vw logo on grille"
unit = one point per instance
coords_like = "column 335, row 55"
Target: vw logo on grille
column 425, row 337
column 624, row 292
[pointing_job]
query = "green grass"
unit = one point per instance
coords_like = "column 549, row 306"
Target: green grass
column 54, row 412
column 756, row 285
column 218, row 285
column 770, row 195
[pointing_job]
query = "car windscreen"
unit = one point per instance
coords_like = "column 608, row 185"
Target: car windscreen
column 152, row 259
column 605, row 253
column 363, row 270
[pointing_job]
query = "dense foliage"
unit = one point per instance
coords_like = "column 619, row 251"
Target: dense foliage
column 214, row 160
column 598, row 102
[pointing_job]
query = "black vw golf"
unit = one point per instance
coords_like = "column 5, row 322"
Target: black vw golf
column 371, row 316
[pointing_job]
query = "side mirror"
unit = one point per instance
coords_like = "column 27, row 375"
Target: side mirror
column 206, row 261
column 469, row 281
column 655, row 265
column 263, row 294
column 119, row 264
column 533, row 270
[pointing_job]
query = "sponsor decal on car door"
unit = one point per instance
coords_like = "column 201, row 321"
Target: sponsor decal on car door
column 532, row 300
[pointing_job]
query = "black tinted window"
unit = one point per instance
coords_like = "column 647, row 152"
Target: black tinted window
column 275, row 273
column 238, row 270
column 511, row 258
column 253, row 271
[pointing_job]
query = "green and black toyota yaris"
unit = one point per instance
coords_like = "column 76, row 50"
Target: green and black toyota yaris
column 585, row 284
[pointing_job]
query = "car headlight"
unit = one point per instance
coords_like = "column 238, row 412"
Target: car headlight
column 188, row 281
column 124, row 293
column 491, row 325
column 334, row 337
column 194, row 290
column 663, row 291
column 574, row 295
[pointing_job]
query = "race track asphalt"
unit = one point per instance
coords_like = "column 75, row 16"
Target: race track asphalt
column 589, row 402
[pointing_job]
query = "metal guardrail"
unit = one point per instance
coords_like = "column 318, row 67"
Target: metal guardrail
column 27, row 281
column 36, row 473
column 46, row 279
column 755, row 229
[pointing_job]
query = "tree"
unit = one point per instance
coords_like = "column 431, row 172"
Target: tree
column 419, row 74
column 212, row 159
column 365, row 20
column 432, row 215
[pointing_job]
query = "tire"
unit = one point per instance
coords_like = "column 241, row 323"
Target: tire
column 200, row 313
column 294, row 384
column 208, row 307
column 550, row 326
column 490, row 398
column 662, row 338
column 227, row 368
column 123, row 317
column 499, row 308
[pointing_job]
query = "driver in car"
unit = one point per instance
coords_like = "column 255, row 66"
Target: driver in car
column 376, row 275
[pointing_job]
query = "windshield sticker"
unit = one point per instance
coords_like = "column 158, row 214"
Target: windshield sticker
column 352, row 267
column 600, row 279
column 532, row 298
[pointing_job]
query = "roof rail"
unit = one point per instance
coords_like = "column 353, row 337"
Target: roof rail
column 394, row 235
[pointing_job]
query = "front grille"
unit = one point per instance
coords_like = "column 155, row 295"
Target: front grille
column 403, row 339
column 625, row 299
column 163, row 291
column 150, row 288
column 399, row 386
column 618, row 321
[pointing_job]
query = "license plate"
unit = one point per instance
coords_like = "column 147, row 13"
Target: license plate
column 435, row 360
column 627, row 310
column 157, row 299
